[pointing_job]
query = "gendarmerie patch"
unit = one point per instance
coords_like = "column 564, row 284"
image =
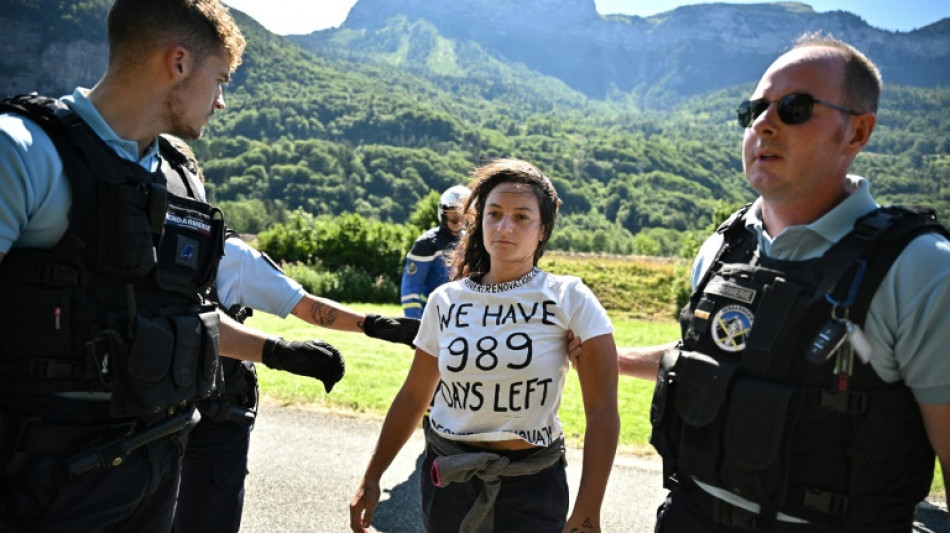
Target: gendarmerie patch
column 730, row 328
column 730, row 290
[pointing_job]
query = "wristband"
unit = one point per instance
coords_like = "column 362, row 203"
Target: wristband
column 270, row 343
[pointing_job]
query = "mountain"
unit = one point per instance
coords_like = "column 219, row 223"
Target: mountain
column 376, row 118
column 52, row 46
column 691, row 50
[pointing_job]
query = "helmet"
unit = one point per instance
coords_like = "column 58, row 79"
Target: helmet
column 452, row 198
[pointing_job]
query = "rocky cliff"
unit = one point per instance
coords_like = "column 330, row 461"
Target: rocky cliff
column 49, row 52
column 690, row 50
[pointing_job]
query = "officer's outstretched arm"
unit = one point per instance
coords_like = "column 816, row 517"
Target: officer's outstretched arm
column 311, row 358
column 330, row 314
column 238, row 341
column 248, row 278
column 644, row 362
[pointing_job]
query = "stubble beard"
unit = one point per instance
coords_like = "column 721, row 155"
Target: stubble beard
column 177, row 126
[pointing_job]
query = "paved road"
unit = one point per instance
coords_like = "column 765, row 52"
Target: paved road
column 305, row 465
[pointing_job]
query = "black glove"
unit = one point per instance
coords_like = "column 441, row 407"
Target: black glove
column 392, row 329
column 313, row 358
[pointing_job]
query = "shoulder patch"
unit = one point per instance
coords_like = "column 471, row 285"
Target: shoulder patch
column 411, row 268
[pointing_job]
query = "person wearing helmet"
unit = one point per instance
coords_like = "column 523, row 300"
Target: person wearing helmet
column 429, row 262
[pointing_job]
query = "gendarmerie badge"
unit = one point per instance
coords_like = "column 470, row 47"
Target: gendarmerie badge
column 730, row 328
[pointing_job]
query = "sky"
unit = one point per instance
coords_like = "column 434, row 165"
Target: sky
column 285, row 17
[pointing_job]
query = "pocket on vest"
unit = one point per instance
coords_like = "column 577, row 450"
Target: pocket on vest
column 703, row 385
column 169, row 360
column 755, row 439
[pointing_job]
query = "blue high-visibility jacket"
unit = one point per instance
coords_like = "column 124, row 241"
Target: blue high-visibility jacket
column 427, row 266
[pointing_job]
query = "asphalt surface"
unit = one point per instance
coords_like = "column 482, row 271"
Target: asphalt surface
column 305, row 466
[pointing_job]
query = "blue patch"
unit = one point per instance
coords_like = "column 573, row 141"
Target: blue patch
column 187, row 251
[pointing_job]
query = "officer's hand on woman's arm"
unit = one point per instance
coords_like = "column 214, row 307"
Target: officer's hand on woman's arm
column 334, row 315
column 644, row 362
column 574, row 347
column 393, row 329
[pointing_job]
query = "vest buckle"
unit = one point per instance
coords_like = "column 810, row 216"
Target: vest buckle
column 846, row 402
column 824, row 501
column 53, row 368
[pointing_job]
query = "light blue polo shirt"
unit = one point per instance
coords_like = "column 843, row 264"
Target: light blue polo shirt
column 906, row 323
column 245, row 277
column 34, row 193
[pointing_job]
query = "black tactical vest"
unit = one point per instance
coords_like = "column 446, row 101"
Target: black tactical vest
column 115, row 305
column 740, row 407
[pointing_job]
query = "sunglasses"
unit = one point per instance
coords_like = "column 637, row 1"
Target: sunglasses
column 793, row 109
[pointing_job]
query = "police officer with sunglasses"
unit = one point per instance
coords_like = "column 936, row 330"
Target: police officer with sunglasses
column 810, row 390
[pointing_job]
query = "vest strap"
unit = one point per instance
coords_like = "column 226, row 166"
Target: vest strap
column 845, row 402
column 820, row 501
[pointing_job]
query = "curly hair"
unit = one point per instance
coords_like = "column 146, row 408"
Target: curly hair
column 471, row 255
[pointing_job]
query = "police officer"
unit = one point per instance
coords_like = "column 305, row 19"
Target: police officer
column 104, row 252
column 215, row 462
column 811, row 388
column 430, row 259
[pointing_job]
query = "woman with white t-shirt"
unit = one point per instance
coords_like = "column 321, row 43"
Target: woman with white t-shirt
column 493, row 347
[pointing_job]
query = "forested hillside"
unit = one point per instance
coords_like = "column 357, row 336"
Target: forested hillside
column 333, row 134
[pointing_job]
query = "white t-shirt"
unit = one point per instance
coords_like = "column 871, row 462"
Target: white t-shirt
column 502, row 353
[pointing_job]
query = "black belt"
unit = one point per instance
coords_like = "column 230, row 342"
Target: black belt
column 32, row 435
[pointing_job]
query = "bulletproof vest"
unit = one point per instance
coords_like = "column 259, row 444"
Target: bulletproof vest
column 115, row 305
column 741, row 405
column 236, row 398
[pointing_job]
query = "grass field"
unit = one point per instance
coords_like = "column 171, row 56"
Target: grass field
column 375, row 370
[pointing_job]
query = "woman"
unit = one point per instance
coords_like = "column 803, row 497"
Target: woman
column 494, row 341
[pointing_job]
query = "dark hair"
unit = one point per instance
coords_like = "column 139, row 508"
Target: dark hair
column 471, row 255
column 862, row 79
column 137, row 27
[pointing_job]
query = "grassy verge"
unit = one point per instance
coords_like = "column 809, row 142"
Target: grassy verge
column 375, row 370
